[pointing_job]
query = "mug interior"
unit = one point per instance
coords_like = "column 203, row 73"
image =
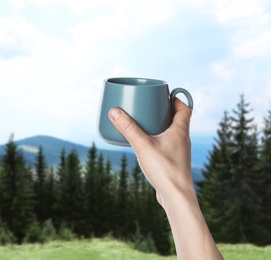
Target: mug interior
column 136, row 81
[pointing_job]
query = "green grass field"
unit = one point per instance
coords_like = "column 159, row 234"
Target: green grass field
column 112, row 249
column 245, row 252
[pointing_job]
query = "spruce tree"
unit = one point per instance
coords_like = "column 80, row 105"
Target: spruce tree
column 158, row 227
column 92, row 206
column 16, row 192
column 123, row 213
column 58, row 189
column 50, row 194
column 136, row 194
column 230, row 193
column 99, row 194
column 62, row 163
column 114, row 207
column 99, row 198
column 148, row 220
column 144, row 218
column 104, row 197
column 244, row 199
column 71, row 197
column 40, row 187
column 135, row 186
column 265, row 176
column 214, row 190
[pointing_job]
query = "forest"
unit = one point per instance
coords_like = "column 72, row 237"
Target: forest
column 78, row 201
column 236, row 190
column 39, row 204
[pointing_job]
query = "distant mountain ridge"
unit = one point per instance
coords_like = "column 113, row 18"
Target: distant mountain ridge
column 52, row 148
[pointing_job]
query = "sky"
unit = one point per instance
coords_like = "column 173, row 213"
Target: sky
column 55, row 55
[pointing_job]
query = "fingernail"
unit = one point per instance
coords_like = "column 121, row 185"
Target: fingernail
column 114, row 113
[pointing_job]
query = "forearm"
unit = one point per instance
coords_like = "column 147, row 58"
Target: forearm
column 165, row 160
column 191, row 234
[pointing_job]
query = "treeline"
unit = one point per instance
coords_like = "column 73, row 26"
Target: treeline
column 78, row 201
column 82, row 201
column 235, row 195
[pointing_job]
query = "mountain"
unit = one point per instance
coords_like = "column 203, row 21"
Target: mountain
column 52, row 148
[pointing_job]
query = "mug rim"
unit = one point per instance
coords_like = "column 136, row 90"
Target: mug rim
column 135, row 81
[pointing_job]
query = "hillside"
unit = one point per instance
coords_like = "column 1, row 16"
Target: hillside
column 52, row 148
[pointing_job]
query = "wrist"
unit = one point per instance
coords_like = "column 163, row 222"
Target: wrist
column 189, row 229
column 177, row 196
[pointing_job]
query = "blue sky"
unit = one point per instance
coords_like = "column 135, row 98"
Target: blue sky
column 55, row 54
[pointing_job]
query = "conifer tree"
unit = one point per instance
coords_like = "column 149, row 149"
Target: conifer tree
column 40, row 187
column 135, row 186
column 92, row 206
column 71, row 196
column 244, row 200
column 16, row 192
column 265, row 176
column 123, row 213
column 229, row 194
column 50, row 194
column 144, row 217
column 114, row 197
column 215, row 188
column 157, row 223
column 136, row 196
column 150, row 220
column 98, row 192
column 104, row 197
column 60, row 177
column 62, row 164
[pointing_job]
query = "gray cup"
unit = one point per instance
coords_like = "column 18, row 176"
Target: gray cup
column 147, row 101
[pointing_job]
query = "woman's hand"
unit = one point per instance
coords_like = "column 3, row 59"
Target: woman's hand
column 165, row 159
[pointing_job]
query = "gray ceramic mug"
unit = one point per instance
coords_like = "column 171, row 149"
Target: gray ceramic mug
column 147, row 101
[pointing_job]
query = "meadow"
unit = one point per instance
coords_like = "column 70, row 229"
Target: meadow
column 107, row 248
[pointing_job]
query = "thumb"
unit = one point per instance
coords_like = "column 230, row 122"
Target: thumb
column 128, row 128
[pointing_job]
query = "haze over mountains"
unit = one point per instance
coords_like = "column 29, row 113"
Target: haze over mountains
column 52, row 148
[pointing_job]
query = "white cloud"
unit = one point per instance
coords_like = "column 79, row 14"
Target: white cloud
column 240, row 12
column 255, row 45
column 47, row 78
column 153, row 10
column 235, row 12
column 57, row 82
column 125, row 19
column 246, row 68
column 221, row 71
column 45, row 89
column 250, row 23
column 17, row 34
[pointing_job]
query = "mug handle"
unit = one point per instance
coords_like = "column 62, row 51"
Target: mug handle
column 174, row 92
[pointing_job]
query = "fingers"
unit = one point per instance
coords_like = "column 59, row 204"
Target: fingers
column 128, row 128
column 136, row 136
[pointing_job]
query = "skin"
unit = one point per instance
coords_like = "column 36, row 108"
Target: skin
column 165, row 160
